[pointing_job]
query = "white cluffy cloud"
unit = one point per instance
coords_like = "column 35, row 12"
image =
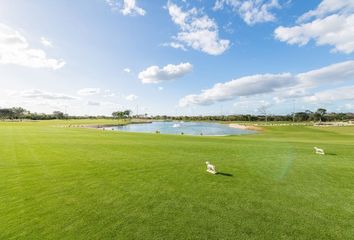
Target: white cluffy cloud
column 130, row 8
column 251, row 11
column 331, row 23
column 46, row 42
column 131, row 97
column 14, row 49
column 108, row 93
column 197, row 31
column 36, row 93
column 335, row 73
column 155, row 74
column 127, row 70
column 343, row 93
column 245, row 86
column 93, row 103
column 327, row 7
column 126, row 7
column 89, row 91
column 283, row 83
column 175, row 45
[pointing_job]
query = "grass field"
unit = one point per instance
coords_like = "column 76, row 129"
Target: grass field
column 75, row 183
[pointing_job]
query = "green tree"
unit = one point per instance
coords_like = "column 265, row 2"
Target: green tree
column 121, row 114
column 127, row 113
column 320, row 113
column 6, row 113
column 19, row 112
column 302, row 116
column 58, row 115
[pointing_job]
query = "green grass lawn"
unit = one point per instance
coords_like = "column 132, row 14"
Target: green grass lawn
column 75, row 183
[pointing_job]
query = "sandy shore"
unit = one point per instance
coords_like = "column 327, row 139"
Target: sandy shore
column 246, row 127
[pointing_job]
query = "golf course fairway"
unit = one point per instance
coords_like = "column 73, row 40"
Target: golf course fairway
column 60, row 182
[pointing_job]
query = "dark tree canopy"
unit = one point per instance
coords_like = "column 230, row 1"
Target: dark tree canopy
column 122, row 114
column 320, row 113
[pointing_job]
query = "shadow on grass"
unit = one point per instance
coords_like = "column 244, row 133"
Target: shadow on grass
column 224, row 174
column 331, row 154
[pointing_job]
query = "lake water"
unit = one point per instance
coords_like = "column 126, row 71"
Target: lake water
column 188, row 128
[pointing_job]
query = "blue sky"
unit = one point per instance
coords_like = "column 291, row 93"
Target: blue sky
column 177, row 57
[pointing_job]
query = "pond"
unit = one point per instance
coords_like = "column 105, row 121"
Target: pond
column 188, row 128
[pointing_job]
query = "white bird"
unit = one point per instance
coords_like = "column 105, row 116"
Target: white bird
column 319, row 151
column 210, row 168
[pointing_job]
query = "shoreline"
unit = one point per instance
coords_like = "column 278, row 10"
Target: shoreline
column 102, row 126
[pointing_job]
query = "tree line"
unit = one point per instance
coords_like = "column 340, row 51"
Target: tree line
column 18, row 113
column 320, row 115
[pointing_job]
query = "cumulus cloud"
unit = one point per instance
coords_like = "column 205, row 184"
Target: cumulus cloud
column 197, row 31
column 93, row 103
column 247, row 104
column 89, row 91
column 108, row 93
column 131, row 97
column 323, row 77
column 155, row 74
column 338, row 72
column 45, row 42
column 175, row 45
column 14, row 49
column 327, row 7
column 126, row 7
column 36, row 93
column 251, row 11
column 331, row 23
column 283, row 83
column 342, row 93
column 245, row 86
column 127, row 70
column 130, row 8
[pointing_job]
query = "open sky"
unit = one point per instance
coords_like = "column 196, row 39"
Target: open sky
column 178, row 56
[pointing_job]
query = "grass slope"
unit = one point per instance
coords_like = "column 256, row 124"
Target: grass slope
column 71, row 183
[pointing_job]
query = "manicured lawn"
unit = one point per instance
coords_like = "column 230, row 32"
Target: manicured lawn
column 74, row 183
